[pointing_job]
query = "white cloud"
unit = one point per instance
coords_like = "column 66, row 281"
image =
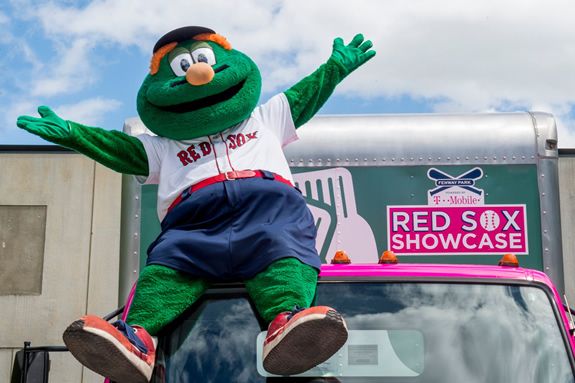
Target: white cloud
column 88, row 112
column 472, row 52
column 71, row 72
column 473, row 56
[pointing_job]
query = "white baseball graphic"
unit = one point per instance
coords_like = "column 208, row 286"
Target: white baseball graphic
column 489, row 220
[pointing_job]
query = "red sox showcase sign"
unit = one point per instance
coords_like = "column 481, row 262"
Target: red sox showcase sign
column 456, row 221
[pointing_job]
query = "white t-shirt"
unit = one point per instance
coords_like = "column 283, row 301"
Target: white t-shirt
column 255, row 143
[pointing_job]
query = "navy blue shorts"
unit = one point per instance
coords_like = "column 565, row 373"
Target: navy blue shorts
column 232, row 230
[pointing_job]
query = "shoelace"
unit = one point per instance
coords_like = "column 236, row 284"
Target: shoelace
column 130, row 333
column 296, row 309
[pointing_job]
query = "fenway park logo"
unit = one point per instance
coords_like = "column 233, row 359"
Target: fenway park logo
column 455, row 190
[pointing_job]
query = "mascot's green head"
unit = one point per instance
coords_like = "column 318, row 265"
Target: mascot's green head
column 198, row 85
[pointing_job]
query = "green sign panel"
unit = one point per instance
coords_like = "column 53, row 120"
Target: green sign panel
column 425, row 214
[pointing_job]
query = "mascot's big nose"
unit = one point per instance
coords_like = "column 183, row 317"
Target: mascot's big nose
column 199, row 74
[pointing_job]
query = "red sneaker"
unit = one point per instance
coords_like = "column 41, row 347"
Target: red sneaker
column 119, row 352
column 303, row 338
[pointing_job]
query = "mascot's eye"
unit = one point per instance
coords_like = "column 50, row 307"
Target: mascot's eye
column 181, row 63
column 204, row 55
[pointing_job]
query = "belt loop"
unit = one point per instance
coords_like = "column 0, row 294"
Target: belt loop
column 267, row 175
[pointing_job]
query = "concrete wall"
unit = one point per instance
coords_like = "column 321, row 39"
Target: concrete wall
column 79, row 258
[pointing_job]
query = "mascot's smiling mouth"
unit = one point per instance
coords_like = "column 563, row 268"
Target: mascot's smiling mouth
column 191, row 106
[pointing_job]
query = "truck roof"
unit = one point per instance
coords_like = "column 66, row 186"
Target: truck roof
column 411, row 271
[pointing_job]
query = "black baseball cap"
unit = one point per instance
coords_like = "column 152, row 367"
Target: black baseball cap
column 181, row 34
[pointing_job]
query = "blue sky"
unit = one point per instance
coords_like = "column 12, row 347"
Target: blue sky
column 86, row 59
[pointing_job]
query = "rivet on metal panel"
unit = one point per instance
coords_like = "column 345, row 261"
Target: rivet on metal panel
column 438, row 158
column 411, row 158
column 411, row 176
column 485, row 158
column 402, row 159
column 504, row 157
column 448, row 158
column 542, row 174
column 393, row 159
column 135, row 253
column 137, row 197
column 412, row 195
column 544, row 211
column 543, row 194
column 513, row 158
column 467, row 158
column 457, row 158
column 476, row 158
column 420, row 159
column 429, row 158
column 135, row 234
column 544, row 231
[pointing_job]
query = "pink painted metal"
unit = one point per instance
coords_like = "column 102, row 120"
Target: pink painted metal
column 423, row 272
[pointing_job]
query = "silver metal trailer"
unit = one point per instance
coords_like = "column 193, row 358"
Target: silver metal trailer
column 462, row 188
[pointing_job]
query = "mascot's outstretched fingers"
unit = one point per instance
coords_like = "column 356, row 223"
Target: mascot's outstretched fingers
column 226, row 200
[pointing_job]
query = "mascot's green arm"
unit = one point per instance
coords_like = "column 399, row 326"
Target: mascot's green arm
column 113, row 149
column 308, row 95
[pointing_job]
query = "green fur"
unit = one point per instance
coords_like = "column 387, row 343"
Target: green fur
column 113, row 149
column 162, row 294
column 116, row 150
column 284, row 284
column 165, row 89
column 308, row 95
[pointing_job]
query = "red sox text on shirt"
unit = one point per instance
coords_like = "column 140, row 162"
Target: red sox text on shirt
column 193, row 153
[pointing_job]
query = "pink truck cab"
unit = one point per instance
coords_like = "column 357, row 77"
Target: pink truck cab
column 408, row 323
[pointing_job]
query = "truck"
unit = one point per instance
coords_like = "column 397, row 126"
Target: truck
column 453, row 266
column 449, row 195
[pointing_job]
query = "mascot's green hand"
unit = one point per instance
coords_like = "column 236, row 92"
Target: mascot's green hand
column 354, row 55
column 49, row 126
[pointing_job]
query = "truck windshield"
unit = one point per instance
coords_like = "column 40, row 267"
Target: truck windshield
column 399, row 332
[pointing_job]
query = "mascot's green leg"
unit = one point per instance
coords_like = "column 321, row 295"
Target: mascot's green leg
column 284, row 284
column 162, row 294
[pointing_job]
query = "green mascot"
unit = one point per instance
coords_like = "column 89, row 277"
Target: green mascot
column 226, row 202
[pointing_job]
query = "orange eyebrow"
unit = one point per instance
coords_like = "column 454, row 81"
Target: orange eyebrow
column 160, row 53
column 157, row 57
column 218, row 39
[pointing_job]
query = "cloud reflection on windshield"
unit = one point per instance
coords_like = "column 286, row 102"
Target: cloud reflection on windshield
column 478, row 333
